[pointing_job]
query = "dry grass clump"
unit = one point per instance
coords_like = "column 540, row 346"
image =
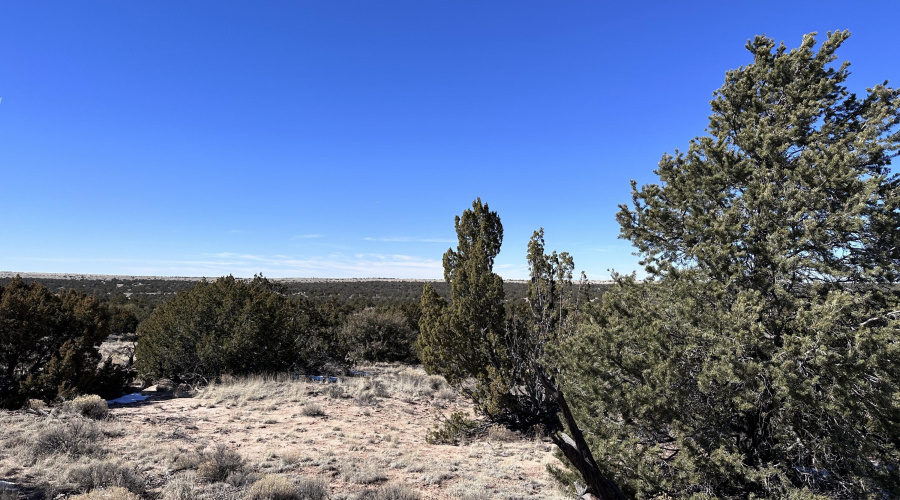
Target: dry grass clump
column 184, row 486
column 114, row 493
column 105, row 474
column 367, row 390
column 90, row 406
column 218, row 462
column 312, row 410
column 367, row 473
column 35, row 404
column 393, row 491
column 335, row 391
column 501, row 434
column 239, row 391
column 415, row 382
column 187, row 486
column 456, row 429
column 274, row 487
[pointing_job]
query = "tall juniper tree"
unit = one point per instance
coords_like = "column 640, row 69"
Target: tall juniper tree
column 761, row 356
column 496, row 354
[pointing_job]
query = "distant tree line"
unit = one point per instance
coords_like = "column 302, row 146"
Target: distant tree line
column 50, row 337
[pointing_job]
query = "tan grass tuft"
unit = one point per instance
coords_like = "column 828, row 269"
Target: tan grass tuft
column 90, row 406
column 114, row 493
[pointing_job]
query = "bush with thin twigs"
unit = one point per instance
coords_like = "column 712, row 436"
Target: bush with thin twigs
column 218, row 462
column 366, row 391
column 413, row 382
column 105, row 474
column 77, row 436
column 182, row 487
column 312, row 410
column 335, row 391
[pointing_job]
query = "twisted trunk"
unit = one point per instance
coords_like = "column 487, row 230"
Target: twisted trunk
column 575, row 448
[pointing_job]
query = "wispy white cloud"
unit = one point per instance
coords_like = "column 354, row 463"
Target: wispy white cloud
column 305, row 236
column 408, row 239
column 362, row 265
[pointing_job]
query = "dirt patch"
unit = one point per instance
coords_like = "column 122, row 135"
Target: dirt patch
column 356, row 435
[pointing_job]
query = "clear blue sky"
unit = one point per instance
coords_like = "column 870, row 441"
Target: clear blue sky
column 339, row 138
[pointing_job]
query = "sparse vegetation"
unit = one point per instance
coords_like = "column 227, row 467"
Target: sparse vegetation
column 758, row 359
column 374, row 335
column 101, row 474
column 114, row 493
column 248, row 428
column 391, row 491
column 275, row 487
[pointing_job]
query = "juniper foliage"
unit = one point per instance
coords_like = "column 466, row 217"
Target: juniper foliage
column 761, row 356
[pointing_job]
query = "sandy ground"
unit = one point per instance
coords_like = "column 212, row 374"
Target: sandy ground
column 357, row 434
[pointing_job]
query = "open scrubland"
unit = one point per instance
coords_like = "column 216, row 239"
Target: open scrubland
column 759, row 357
column 279, row 437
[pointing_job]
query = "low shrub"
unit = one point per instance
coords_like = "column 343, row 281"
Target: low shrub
column 501, row 434
column 312, row 410
column 454, row 430
column 378, row 335
column 182, row 487
column 392, row 491
column 90, row 406
column 75, row 437
column 114, row 493
column 229, row 327
column 362, row 474
column 216, row 463
column 275, row 487
column 106, row 474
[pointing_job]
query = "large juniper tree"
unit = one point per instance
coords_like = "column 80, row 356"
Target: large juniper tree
column 761, row 357
column 49, row 344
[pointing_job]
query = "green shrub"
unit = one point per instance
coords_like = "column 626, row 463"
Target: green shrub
column 378, row 335
column 229, row 327
column 50, row 344
column 454, row 430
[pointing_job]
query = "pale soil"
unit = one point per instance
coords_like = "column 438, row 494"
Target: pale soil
column 363, row 440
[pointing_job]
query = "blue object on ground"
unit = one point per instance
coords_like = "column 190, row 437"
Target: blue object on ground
column 128, row 398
